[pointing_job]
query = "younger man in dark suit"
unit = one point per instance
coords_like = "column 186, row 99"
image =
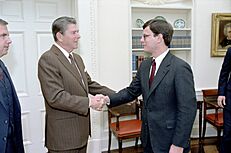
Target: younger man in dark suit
column 10, row 111
column 167, row 87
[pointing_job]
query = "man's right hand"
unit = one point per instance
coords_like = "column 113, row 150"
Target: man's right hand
column 97, row 102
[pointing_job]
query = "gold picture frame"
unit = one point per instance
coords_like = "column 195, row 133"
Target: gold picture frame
column 219, row 22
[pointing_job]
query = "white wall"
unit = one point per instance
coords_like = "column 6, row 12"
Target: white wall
column 206, row 68
column 113, row 38
column 113, row 61
column 104, row 46
column 113, row 43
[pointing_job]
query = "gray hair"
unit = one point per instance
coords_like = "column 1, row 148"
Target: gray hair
column 226, row 28
column 3, row 22
column 60, row 25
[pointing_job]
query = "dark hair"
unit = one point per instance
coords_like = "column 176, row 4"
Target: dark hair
column 158, row 26
column 3, row 22
column 60, row 25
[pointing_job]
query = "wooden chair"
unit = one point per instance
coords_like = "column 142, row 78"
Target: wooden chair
column 121, row 123
column 199, row 107
column 214, row 117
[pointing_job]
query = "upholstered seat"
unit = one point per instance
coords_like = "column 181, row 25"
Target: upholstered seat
column 127, row 131
column 219, row 121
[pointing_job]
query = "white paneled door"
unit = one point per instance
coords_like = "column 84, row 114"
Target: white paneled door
column 30, row 30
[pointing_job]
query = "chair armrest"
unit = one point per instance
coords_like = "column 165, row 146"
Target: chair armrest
column 212, row 101
column 131, row 108
column 140, row 103
column 114, row 113
column 117, row 123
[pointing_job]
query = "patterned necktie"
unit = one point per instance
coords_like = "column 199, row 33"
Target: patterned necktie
column 152, row 72
column 72, row 61
column 76, row 67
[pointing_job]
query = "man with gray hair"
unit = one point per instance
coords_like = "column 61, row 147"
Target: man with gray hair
column 65, row 86
column 10, row 111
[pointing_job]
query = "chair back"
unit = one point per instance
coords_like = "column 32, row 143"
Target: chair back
column 124, row 122
column 211, row 95
column 128, row 109
column 210, row 102
column 210, row 92
column 215, row 114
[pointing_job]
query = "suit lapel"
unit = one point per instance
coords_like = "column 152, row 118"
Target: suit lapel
column 7, row 75
column 162, row 71
column 67, row 64
column 80, row 65
column 146, row 75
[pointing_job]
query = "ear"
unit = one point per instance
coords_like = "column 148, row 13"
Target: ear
column 160, row 37
column 59, row 36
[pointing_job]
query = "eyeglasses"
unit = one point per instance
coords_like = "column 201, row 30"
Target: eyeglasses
column 145, row 36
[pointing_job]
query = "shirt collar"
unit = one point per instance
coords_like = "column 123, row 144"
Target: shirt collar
column 160, row 58
column 65, row 53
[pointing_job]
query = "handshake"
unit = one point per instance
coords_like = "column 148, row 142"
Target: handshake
column 98, row 101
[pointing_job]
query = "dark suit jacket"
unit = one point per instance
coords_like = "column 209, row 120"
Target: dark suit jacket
column 225, row 42
column 169, row 104
column 4, row 116
column 66, row 100
column 224, row 85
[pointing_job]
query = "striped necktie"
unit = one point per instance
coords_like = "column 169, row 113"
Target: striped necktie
column 75, row 65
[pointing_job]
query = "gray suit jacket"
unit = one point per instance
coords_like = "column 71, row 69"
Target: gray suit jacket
column 169, row 104
column 66, row 100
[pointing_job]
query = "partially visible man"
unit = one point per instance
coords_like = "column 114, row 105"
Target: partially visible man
column 10, row 111
column 167, row 87
column 65, row 85
column 224, row 101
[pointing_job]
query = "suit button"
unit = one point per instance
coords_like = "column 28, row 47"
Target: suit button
column 5, row 121
column 4, row 138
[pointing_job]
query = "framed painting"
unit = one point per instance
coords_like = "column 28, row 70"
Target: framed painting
column 221, row 34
